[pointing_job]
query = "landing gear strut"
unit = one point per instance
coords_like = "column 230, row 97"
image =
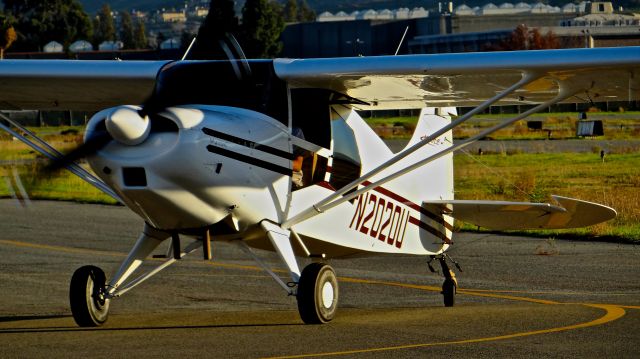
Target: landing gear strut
column 87, row 294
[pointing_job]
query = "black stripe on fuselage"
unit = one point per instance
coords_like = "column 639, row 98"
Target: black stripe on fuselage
column 247, row 143
column 250, row 160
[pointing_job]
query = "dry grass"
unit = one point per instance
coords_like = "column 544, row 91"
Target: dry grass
column 558, row 125
column 63, row 139
column 528, row 177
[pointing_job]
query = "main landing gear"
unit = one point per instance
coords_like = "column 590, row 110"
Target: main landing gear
column 450, row 284
column 317, row 285
column 90, row 293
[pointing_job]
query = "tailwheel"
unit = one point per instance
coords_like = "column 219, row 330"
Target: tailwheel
column 449, row 292
column 450, row 285
column 317, row 294
column 87, row 292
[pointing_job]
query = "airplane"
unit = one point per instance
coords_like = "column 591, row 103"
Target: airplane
column 273, row 155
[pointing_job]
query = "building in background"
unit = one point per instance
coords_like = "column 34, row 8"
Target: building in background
column 588, row 24
column 81, row 46
column 53, row 47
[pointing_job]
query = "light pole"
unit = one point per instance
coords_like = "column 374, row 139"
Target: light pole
column 588, row 39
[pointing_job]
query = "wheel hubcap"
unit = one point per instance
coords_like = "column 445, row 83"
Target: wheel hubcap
column 327, row 295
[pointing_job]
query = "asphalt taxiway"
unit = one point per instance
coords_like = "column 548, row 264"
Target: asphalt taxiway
column 518, row 297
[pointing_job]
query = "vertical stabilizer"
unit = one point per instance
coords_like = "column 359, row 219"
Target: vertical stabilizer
column 435, row 179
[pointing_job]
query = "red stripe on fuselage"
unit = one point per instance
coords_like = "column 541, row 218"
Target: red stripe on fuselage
column 414, row 206
column 430, row 229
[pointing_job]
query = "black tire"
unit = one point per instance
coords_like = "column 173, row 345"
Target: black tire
column 317, row 294
column 86, row 296
column 449, row 292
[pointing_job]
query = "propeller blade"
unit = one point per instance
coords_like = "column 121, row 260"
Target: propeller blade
column 150, row 105
column 232, row 40
column 91, row 145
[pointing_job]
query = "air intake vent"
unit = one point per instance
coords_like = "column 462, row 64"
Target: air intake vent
column 134, row 177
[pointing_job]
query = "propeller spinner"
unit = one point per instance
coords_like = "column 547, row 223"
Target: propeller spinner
column 127, row 125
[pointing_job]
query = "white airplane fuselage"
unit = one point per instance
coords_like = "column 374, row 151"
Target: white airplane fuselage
column 234, row 166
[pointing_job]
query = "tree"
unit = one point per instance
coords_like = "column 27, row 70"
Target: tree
column 291, row 11
column 7, row 34
column 262, row 24
column 104, row 29
column 306, row 13
column 140, row 36
column 160, row 38
column 127, row 31
column 523, row 38
column 298, row 11
column 220, row 21
column 39, row 22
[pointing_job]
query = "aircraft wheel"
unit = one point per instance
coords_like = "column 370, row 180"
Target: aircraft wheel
column 317, row 294
column 449, row 292
column 86, row 295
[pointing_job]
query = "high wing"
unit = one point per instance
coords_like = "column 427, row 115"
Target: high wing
column 380, row 82
column 75, row 85
column 468, row 79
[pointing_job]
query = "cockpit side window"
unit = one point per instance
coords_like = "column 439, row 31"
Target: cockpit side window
column 311, row 115
column 346, row 165
column 314, row 121
column 310, row 123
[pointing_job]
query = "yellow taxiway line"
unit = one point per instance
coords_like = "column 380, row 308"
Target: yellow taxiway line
column 612, row 312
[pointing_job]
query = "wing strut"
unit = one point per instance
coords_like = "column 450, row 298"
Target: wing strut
column 51, row 153
column 335, row 199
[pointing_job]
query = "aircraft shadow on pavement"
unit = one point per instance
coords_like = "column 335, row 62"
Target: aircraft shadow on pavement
column 31, row 317
column 73, row 328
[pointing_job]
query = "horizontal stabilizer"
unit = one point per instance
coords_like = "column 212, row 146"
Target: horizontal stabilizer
column 569, row 213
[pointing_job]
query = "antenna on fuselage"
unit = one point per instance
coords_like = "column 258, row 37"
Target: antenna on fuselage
column 186, row 53
column 401, row 40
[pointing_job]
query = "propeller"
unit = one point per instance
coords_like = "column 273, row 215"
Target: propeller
column 130, row 125
column 127, row 125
